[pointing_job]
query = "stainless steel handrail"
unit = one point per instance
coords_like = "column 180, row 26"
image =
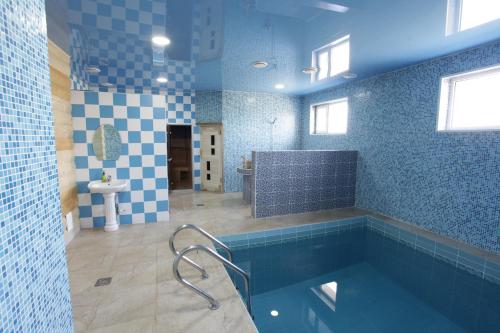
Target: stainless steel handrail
column 204, row 274
column 214, row 304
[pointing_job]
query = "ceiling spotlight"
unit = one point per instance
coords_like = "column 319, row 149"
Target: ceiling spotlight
column 160, row 40
column 161, row 79
column 310, row 70
column 260, row 64
column 279, row 86
column 350, row 75
column 274, row 313
column 92, row 69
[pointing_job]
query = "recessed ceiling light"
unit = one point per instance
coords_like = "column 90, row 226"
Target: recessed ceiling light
column 279, row 86
column 92, row 69
column 260, row 64
column 107, row 84
column 160, row 40
column 310, row 70
column 161, row 79
column 349, row 75
column 274, row 313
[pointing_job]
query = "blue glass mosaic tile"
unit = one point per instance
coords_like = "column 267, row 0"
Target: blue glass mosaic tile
column 444, row 182
column 34, row 286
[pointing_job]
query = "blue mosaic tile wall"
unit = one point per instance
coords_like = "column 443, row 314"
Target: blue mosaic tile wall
column 34, row 288
column 209, row 106
column 448, row 183
column 247, row 118
column 141, row 121
column 291, row 182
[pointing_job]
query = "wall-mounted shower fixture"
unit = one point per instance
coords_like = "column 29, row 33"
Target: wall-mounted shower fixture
column 310, row 70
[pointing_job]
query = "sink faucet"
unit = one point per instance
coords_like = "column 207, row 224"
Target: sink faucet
column 109, row 178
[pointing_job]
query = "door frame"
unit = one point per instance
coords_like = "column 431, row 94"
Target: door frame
column 191, row 148
column 221, row 125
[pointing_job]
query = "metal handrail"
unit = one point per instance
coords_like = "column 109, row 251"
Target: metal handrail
column 204, row 274
column 214, row 304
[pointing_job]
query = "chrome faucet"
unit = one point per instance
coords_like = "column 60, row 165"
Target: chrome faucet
column 109, row 178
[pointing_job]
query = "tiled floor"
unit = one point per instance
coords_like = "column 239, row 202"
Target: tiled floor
column 143, row 295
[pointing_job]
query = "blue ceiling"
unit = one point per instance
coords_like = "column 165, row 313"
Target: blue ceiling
column 385, row 35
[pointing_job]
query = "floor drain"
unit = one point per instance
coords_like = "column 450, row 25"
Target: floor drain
column 200, row 205
column 102, row 282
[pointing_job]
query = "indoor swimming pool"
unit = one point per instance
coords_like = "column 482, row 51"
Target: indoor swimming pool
column 364, row 275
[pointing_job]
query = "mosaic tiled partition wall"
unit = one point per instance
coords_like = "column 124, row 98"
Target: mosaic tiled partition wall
column 295, row 181
column 34, row 288
column 445, row 182
column 141, row 121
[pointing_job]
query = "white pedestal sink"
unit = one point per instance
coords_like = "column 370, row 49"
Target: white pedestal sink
column 109, row 190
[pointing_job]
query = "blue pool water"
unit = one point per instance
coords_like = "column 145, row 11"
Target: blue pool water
column 360, row 281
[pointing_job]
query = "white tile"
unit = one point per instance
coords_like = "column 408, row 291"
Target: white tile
column 146, row 112
column 137, row 196
column 163, row 216
column 134, row 149
column 77, row 97
column 105, row 98
column 92, row 111
column 97, row 210
column 149, row 183
column 158, row 101
column 139, row 218
column 133, row 99
column 150, row 207
column 147, row 137
column 135, row 173
column 134, row 124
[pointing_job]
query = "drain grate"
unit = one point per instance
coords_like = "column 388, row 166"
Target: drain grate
column 103, row 282
column 200, row 205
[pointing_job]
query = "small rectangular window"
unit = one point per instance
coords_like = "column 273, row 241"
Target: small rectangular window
column 208, row 176
column 212, row 140
column 208, row 165
column 213, row 151
column 470, row 101
column 332, row 59
column 466, row 14
column 330, row 117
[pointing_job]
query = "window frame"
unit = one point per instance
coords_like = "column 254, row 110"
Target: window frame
column 328, row 48
column 313, row 116
column 447, row 99
column 454, row 11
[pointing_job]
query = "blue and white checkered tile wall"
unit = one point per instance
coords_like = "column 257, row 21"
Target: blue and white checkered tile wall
column 34, row 288
column 140, row 18
column 181, row 111
column 141, row 121
column 79, row 59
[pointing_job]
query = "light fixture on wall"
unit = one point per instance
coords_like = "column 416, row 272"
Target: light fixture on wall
column 279, row 86
column 310, row 70
column 349, row 75
column 260, row 64
column 161, row 79
column 92, row 69
column 107, row 84
column 160, row 40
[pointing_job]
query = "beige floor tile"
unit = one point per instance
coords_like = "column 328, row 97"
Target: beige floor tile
column 144, row 295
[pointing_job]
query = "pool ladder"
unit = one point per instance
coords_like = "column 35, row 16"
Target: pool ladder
column 182, row 255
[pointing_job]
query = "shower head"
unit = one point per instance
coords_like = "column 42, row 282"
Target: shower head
column 274, row 121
